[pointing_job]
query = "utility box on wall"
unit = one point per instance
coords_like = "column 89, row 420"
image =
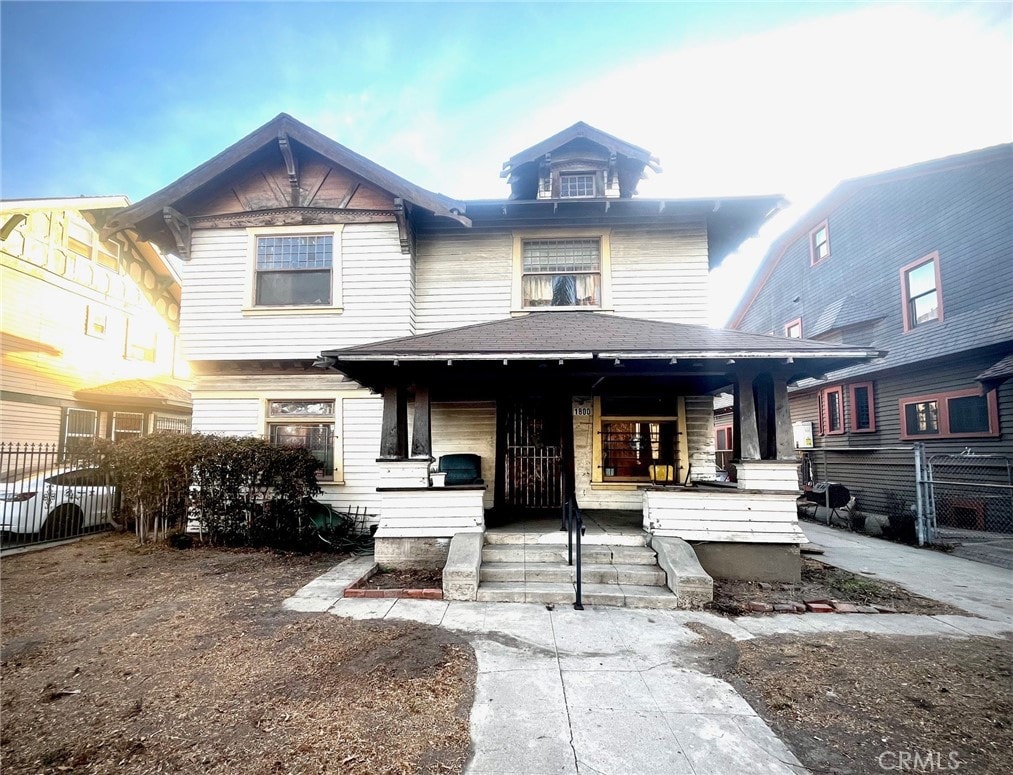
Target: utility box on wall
column 803, row 432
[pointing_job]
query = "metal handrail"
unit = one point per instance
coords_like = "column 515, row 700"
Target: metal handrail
column 573, row 523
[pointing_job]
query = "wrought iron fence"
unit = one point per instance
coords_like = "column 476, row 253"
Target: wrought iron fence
column 49, row 494
column 969, row 495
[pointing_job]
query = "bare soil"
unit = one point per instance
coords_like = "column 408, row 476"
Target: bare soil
column 857, row 703
column 127, row 659
column 824, row 581
column 404, row 579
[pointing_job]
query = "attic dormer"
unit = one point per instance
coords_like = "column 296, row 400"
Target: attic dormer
column 580, row 162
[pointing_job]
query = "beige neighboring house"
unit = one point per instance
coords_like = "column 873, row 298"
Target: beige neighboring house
column 89, row 327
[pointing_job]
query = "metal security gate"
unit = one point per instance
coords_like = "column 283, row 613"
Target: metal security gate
column 533, row 455
column 49, row 494
column 969, row 496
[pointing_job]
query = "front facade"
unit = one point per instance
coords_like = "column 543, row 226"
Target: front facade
column 89, row 327
column 917, row 262
column 557, row 335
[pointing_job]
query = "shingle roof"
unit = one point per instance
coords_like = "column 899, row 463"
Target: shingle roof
column 998, row 372
column 587, row 334
column 139, row 390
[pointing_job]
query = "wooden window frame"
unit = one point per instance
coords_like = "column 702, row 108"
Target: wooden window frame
column 130, row 434
column 336, row 474
column 909, row 324
column 788, row 326
column 942, row 399
column 605, row 268
column 253, row 234
column 581, row 174
column 825, row 429
column 726, row 436
column 66, row 436
column 852, row 414
column 813, row 259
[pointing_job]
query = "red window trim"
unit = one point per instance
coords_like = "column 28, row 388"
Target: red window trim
column 872, row 407
column 944, row 415
column 825, row 415
column 905, row 297
column 725, row 445
column 791, row 323
column 813, row 261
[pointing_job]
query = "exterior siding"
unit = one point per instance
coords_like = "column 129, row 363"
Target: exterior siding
column 24, row 423
column 700, row 437
column 360, row 427
column 471, row 428
column 228, row 416
column 375, row 286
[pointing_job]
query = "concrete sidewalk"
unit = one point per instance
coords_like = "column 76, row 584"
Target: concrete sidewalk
column 978, row 588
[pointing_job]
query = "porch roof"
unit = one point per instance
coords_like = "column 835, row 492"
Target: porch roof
column 597, row 340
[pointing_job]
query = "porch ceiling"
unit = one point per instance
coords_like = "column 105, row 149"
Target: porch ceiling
column 573, row 348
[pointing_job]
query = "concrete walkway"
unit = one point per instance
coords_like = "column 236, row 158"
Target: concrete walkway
column 613, row 690
column 975, row 587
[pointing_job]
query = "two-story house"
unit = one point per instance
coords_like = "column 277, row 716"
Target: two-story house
column 559, row 335
column 89, row 327
column 918, row 262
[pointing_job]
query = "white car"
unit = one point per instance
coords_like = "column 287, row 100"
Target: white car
column 56, row 503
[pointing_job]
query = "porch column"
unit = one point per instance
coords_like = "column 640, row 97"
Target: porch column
column 394, row 429
column 748, row 435
column 782, row 421
column 422, row 431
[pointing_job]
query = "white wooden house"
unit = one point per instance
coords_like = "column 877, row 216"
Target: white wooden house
column 559, row 334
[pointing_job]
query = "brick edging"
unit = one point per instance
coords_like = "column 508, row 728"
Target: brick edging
column 355, row 590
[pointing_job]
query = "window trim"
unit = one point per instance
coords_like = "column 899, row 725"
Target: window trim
column 905, row 296
column 825, row 415
column 520, row 236
column 598, row 449
column 130, row 434
column 579, row 173
column 943, row 399
column 852, row 414
column 252, row 309
column 813, row 260
column 64, row 431
column 788, row 325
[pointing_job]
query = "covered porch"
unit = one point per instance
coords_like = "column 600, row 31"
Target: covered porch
column 614, row 412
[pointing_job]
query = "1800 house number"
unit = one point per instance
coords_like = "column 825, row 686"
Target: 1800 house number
column 582, row 411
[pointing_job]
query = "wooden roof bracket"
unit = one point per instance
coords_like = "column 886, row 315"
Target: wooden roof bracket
column 405, row 232
column 290, row 167
column 179, row 226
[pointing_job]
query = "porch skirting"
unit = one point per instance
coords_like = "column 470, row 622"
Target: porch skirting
column 417, row 523
column 724, row 515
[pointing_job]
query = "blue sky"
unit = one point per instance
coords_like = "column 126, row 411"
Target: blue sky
column 103, row 98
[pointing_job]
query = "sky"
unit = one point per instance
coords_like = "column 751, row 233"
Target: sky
column 734, row 98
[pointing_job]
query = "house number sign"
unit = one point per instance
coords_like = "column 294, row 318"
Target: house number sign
column 582, row 411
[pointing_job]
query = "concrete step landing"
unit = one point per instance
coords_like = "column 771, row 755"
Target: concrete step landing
column 619, row 595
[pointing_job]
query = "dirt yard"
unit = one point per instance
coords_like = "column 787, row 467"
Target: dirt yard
column 851, row 704
column 826, row 582
column 126, row 659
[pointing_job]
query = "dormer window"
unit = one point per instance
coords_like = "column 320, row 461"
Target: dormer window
column 576, row 185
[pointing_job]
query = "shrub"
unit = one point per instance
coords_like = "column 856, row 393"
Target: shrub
column 240, row 491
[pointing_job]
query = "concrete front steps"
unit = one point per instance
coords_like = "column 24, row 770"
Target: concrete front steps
column 523, row 568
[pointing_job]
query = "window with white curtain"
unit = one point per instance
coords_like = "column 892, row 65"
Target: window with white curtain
column 561, row 273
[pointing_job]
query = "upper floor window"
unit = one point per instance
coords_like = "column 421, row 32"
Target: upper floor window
column 920, row 288
column 561, row 273
column 958, row 413
column 819, row 243
column 294, row 270
column 793, row 330
column 574, row 185
column 141, row 342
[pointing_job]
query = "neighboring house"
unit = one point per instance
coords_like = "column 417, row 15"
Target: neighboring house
column 89, row 327
column 559, row 334
column 918, row 262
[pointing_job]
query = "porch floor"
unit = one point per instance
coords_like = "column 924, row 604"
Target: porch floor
column 603, row 527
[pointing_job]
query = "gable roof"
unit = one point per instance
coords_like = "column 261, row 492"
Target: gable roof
column 841, row 193
column 142, row 392
column 580, row 130
column 586, row 335
column 283, row 125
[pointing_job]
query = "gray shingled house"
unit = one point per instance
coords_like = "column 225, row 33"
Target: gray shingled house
column 553, row 342
column 917, row 262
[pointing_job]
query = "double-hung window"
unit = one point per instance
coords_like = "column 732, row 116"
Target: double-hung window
column 961, row 413
column 80, row 426
column 819, row 243
column 305, row 424
column 294, row 270
column 561, row 273
column 127, row 425
column 920, row 288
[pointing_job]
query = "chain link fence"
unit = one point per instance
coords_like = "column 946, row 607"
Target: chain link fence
column 969, row 496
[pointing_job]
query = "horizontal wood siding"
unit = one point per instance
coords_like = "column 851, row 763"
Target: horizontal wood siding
column 723, row 516
column 436, row 512
column 375, row 287
column 227, row 416
column 23, row 423
column 463, row 279
column 361, row 429
column 661, row 274
column 700, row 437
column 468, row 428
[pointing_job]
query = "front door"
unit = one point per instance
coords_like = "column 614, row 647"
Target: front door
column 533, row 454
